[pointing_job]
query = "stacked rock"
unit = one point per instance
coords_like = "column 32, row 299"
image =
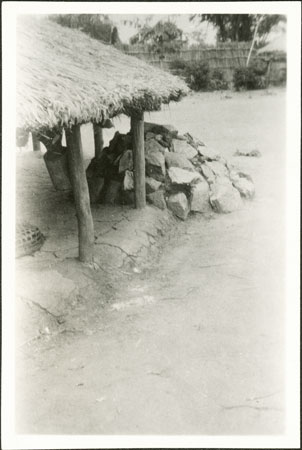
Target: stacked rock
column 182, row 174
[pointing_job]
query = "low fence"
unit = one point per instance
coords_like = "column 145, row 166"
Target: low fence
column 225, row 58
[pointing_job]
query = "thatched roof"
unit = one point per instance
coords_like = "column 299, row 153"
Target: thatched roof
column 278, row 45
column 64, row 76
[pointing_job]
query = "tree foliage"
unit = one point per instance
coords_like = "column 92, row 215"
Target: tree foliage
column 98, row 26
column 161, row 38
column 239, row 27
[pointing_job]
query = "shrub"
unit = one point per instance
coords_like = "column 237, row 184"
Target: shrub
column 247, row 78
column 178, row 64
column 197, row 75
column 217, row 81
column 259, row 66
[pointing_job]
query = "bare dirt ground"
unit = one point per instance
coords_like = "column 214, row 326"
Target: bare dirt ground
column 194, row 343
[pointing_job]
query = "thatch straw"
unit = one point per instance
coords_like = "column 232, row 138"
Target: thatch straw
column 66, row 77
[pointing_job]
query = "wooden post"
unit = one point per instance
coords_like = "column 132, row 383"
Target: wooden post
column 137, row 130
column 98, row 139
column 81, row 193
column 36, row 142
column 268, row 73
column 254, row 39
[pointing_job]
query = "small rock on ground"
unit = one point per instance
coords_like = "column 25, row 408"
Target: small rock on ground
column 152, row 185
column 182, row 176
column 219, row 169
column 245, row 187
column 157, row 199
column 248, row 152
column 160, row 129
column 224, row 198
column 208, row 154
column 155, row 160
column 179, row 205
column 178, row 160
column 184, row 149
column 200, row 198
column 207, row 173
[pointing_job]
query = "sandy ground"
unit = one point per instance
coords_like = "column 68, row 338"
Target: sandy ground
column 193, row 344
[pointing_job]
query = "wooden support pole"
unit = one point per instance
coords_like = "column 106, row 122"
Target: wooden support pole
column 98, row 139
column 137, row 130
column 268, row 74
column 36, row 142
column 81, row 193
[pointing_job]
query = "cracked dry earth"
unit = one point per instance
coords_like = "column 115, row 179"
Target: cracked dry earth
column 193, row 344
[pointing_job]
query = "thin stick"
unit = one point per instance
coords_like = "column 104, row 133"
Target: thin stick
column 254, row 39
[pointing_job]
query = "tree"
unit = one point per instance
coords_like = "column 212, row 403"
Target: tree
column 114, row 38
column 199, row 38
column 161, row 38
column 98, row 26
column 239, row 27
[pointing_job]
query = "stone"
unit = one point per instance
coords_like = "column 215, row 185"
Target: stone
column 200, row 198
column 179, row 205
column 95, row 185
column 157, row 199
column 128, row 182
column 246, row 175
column 112, row 192
column 236, row 174
column 207, row 173
column 149, row 136
column 160, row 129
column 152, row 145
column 155, row 160
column 195, row 142
column 184, row 148
column 126, row 161
column 182, row 176
column 250, row 151
column 152, row 185
column 219, row 169
column 181, row 137
column 178, row 160
column 208, row 153
column 160, row 139
column 245, row 187
column 224, row 198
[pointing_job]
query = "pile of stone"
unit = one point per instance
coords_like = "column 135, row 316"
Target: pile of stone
column 182, row 174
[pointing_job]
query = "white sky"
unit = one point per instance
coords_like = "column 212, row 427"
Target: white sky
column 181, row 20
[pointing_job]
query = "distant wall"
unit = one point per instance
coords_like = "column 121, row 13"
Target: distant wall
column 276, row 74
column 225, row 58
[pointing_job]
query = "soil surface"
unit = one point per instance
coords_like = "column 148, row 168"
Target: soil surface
column 192, row 341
